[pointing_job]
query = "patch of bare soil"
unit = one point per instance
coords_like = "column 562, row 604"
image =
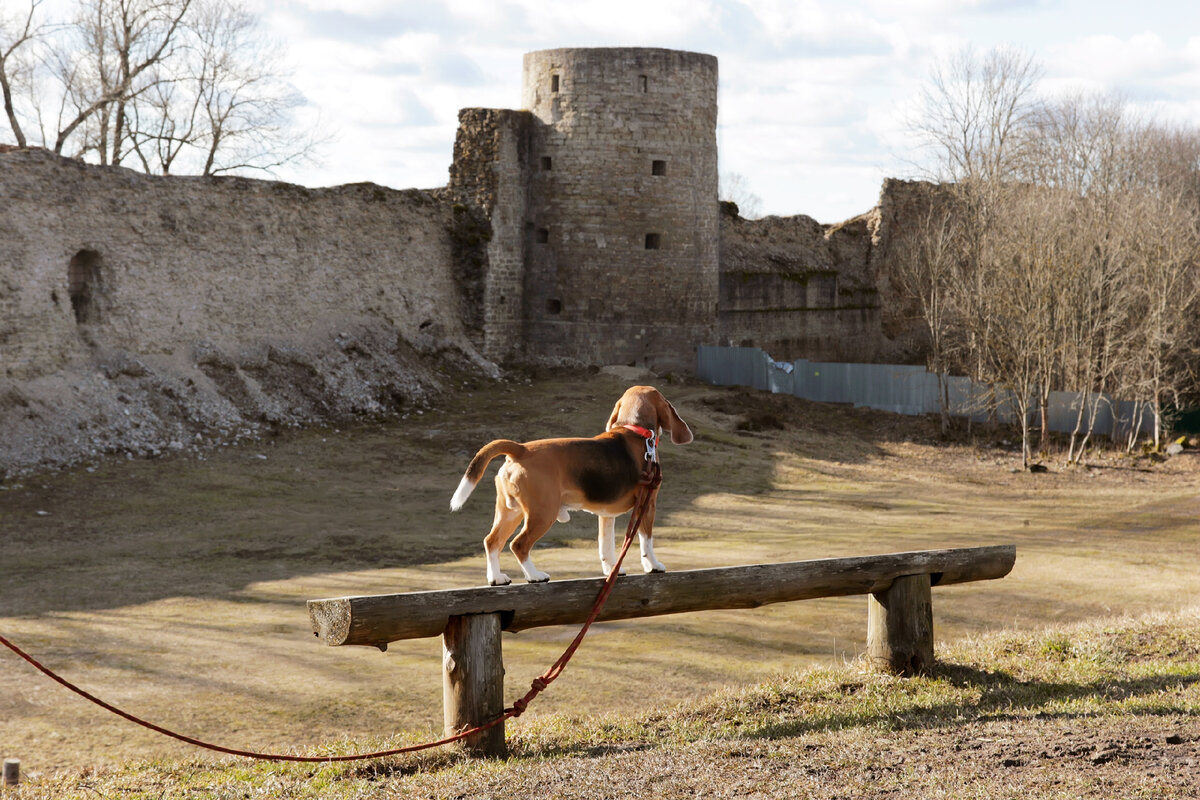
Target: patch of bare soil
column 922, row 444
column 1075, row 758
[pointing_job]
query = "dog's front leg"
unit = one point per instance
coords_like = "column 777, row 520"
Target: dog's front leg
column 649, row 562
column 646, row 540
column 608, row 551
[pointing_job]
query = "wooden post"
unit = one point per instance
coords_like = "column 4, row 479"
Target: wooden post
column 473, row 681
column 900, row 627
column 12, row 772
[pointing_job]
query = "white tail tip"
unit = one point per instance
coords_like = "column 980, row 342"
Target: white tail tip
column 465, row 487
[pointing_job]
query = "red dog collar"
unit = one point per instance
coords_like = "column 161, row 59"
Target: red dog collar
column 651, row 441
column 640, row 431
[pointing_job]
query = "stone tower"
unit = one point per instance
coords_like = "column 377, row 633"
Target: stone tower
column 621, row 212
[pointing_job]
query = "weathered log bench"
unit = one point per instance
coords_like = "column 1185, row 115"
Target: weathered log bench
column 899, row 614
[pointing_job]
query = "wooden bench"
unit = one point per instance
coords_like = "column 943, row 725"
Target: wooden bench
column 899, row 614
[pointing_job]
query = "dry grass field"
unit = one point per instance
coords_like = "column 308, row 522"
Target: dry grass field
column 175, row 589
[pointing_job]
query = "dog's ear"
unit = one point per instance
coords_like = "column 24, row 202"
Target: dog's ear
column 670, row 419
column 616, row 414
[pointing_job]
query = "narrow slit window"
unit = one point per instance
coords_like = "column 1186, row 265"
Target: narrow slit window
column 554, row 83
column 554, row 306
column 658, row 167
column 653, row 241
column 543, row 235
column 643, row 84
column 547, row 164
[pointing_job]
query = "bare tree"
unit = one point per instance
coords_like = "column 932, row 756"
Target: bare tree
column 228, row 107
column 927, row 270
column 16, row 36
column 171, row 85
column 736, row 189
column 1165, row 304
column 1077, row 260
column 974, row 114
column 119, row 44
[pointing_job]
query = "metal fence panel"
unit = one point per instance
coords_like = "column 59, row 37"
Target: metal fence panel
column 733, row 366
column 899, row 388
column 781, row 377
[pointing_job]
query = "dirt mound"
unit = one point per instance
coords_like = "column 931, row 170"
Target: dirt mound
column 145, row 405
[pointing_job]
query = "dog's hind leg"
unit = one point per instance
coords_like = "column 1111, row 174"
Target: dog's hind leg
column 505, row 522
column 536, row 526
column 608, row 552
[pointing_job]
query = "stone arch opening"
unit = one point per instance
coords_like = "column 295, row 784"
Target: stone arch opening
column 84, row 283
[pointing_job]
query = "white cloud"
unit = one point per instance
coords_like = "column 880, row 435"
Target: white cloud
column 813, row 93
column 1142, row 58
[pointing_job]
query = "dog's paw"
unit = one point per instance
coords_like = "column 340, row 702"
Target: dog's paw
column 649, row 565
column 606, row 568
column 532, row 573
column 500, row 580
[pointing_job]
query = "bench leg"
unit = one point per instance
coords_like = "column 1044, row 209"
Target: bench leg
column 900, row 627
column 473, row 681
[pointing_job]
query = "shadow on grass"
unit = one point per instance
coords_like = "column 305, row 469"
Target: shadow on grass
column 361, row 497
column 1001, row 696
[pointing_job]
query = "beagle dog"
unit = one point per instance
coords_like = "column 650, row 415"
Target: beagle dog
column 542, row 481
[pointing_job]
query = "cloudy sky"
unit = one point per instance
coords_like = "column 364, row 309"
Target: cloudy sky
column 813, row 93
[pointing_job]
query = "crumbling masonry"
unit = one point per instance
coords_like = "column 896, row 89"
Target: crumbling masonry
column 140, row 314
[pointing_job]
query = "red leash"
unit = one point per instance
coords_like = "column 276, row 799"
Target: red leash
column 650, row 480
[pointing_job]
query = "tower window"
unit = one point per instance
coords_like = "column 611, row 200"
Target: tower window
column 643, row 83
column 554, row 306
column 658, row 167
column 543, row 235
column 653, row 241
column 546, row 164
column 554, row 83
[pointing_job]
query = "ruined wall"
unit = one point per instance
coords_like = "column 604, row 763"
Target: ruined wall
column 622, row 239
column 141, row 313
column 491, row 173
column 800, row 289
column 904, row 209
column 137, row 312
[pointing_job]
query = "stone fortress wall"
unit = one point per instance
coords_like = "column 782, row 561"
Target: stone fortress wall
column 800, row 289
column 140, row 314
column 100, row 258
column 601, row 199
column 621, row 263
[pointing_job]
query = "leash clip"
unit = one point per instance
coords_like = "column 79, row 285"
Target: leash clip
column 651, row 448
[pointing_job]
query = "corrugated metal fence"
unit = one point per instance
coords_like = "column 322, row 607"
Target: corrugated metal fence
column 892, row 387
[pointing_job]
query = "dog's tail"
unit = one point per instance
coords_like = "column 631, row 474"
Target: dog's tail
column 479, row 463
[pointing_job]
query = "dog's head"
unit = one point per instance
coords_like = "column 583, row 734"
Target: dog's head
column 645, row 406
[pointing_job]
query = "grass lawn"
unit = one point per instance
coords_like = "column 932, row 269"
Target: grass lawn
column 175, row 589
